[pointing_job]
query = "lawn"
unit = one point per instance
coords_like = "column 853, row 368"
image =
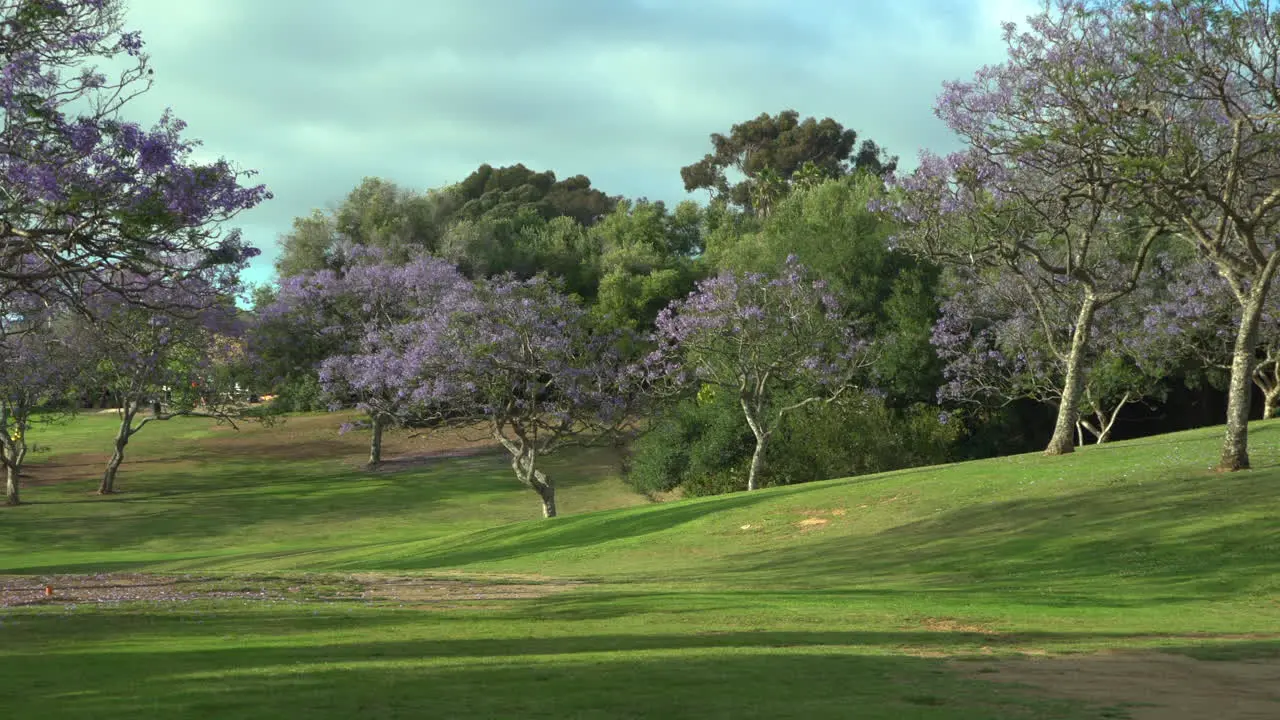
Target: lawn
column 279, row 579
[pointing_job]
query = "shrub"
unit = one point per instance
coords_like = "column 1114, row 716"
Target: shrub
column 299, row 393
column 693, row 443
column 703, row 445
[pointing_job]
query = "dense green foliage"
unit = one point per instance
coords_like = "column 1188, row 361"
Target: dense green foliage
column 628, row 259
column 703, row 445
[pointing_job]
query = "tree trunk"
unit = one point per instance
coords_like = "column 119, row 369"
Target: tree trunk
column 108, row 484
column 757, row 462
column 762, row 439
column 375, row 443
column 547, row 492
column 11, row 485
column 1104, row 435
column 1063, row 441
column 1235, row 445
column 528, row 474
column 1266, row 375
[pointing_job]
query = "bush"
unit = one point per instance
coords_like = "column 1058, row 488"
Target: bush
column 299, row 393
column 858, row 435
column 693, row 444
column 703, row 446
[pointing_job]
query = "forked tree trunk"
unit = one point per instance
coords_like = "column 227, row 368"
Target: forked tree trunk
column 375, row 442
column 108, row 484
column 536, row 480
column 1064, row 428
column 1266, row 375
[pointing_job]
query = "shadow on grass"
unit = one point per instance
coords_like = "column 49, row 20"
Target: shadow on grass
column 235, row 665
column 1201, row 537
column 222, row 498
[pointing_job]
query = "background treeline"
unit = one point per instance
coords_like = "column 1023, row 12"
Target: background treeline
column 779, row 187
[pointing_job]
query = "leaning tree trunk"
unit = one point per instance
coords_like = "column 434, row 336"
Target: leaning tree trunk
column 375, row 442
column 108, row 484
column 757, row 462
column 1064, row 430
column 1235, row 445
column 762, row 439
column 547, row 492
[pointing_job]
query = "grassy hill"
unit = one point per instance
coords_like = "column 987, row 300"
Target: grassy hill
column 298, row 584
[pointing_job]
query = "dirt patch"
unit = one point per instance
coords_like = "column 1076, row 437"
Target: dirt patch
column 18, row 590
column 106, row 588
column 1148, row 685
column 949, row 625
column 813, row 518
column 423, row 459
column 417, row 589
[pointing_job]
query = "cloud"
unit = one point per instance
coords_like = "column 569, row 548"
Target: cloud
column 318, row 95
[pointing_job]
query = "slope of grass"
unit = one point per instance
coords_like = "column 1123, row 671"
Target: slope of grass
column 835, row 599
column 190, row 488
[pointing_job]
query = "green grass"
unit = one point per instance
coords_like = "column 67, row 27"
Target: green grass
column 837, row 599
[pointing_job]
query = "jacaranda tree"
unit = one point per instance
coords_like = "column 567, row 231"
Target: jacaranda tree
column 1191, row 326
column 89, row 197
column 1165, row 104
column 37, row 373
column 777, row 344
column 397, row 313
column 1035, row 213
column 521, row 359
column 349, row 326
column 1000, row 343
column 162, row 361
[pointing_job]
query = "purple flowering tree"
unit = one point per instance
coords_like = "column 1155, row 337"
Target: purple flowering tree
column 520, row 358
column 165, row 361
column 763, row 339
column 87, row 194
column 1030, row 214
column 37, row 372
column 356, row 326
column 1001, row 343
column 398, row 313
column 1193, row 322
column 1169, row 103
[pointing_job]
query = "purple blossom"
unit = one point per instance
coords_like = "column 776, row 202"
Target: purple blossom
column 760, row 338
column 88, row 192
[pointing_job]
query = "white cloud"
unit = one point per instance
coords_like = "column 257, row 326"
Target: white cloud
column 318, row 95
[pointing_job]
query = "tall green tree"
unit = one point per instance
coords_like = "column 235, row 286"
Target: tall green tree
column 768, row 152
column 646, row 260
column 829, row 228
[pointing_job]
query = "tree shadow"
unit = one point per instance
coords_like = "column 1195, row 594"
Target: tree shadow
column 1189, row 537
column 241, row 665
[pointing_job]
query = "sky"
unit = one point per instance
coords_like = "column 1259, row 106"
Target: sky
column 317, row 94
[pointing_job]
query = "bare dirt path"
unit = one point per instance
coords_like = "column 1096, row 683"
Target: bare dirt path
column 1149, row 685
column 104, row 588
